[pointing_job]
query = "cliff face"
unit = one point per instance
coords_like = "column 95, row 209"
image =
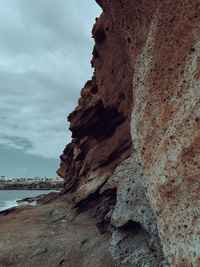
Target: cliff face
column 143, row 101
column 100, row 124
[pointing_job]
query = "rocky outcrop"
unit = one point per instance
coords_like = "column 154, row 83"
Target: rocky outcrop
column 143, row 101
column 100, row 124
column 135, row 237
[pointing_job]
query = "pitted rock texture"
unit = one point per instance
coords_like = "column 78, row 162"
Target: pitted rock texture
column 135, row 237
column 165, row 125
column 147, row 78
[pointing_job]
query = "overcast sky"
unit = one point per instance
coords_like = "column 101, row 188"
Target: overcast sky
column 45, row 53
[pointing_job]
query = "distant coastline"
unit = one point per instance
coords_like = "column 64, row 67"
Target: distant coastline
column 32, row 184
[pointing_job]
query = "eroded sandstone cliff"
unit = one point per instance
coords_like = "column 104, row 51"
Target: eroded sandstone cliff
column 141, row 114
column 100, row 124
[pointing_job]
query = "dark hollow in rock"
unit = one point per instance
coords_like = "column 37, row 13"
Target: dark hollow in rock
column 94, row 203
column 100, row 207
column 95, row 53
column 62, row 262
column 99, row 36
column 100, row 126
column 131, row 226
column 121, row 96
column 129, row 40
column 94, row 89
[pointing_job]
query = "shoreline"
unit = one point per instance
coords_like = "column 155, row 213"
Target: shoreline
column 32, row 200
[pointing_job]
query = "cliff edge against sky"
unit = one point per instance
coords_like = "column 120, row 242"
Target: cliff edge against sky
column 141, row 112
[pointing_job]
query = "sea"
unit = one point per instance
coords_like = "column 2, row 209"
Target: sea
column 8, row 198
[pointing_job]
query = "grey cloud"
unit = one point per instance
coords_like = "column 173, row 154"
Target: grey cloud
column 47, row 25
column 45, row 50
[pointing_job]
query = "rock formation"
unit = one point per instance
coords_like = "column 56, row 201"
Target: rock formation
column 132, row 171
column 141, row 112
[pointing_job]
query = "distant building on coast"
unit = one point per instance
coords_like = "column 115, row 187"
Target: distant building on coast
column 57, row 179
column 30, row 180
column 3, row 178
column 28, row 183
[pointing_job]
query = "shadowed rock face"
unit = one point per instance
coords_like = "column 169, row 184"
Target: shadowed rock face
column 144, row 101
column 100, row 124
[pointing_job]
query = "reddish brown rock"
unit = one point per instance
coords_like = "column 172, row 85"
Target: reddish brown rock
column 147, row 61
column 100, row 124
